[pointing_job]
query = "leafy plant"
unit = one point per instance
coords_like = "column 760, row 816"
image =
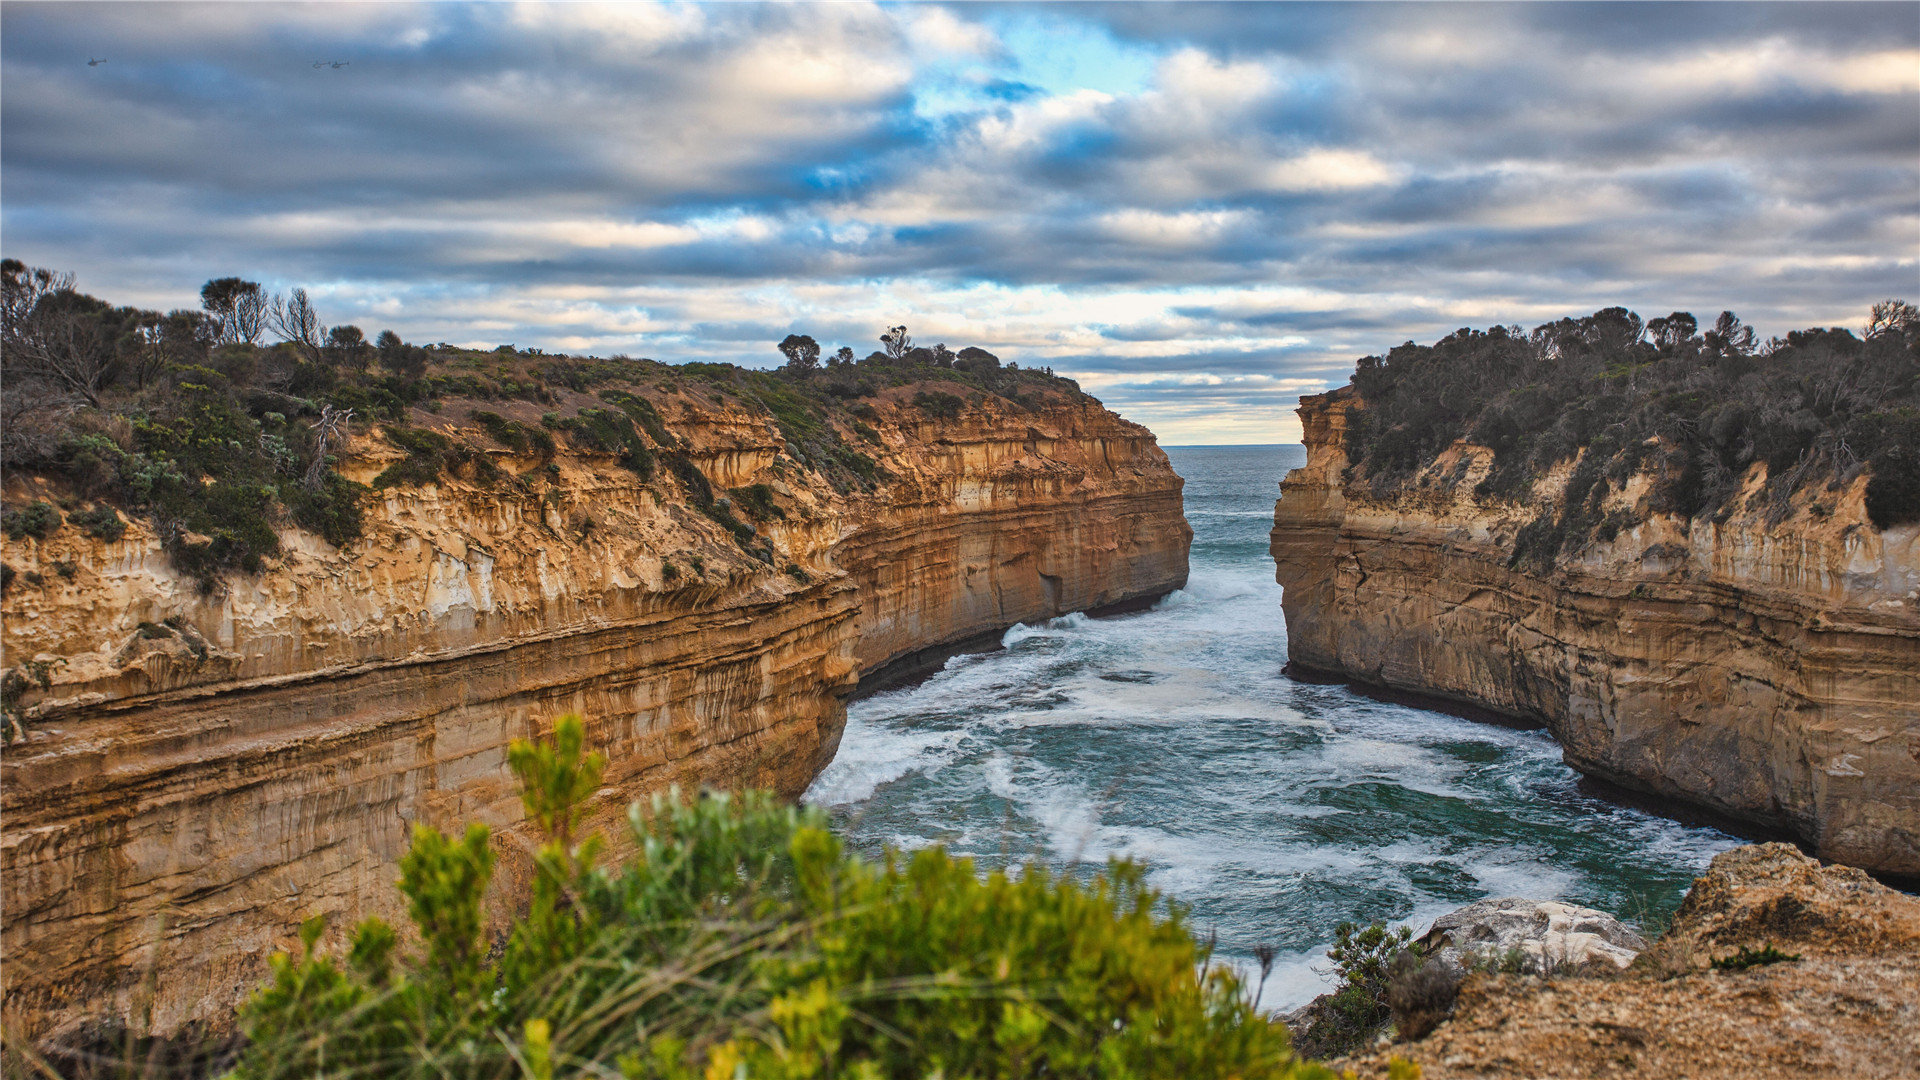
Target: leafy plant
column 1363, row 958
column 38, row 520
column 740, row 939
column 1751, row 958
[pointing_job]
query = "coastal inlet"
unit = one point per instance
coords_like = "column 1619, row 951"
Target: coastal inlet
column 1273, row 809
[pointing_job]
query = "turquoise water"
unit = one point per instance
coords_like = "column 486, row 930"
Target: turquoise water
column 1273, row 809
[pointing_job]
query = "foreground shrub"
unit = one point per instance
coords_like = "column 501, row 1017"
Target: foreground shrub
column 741, row 940
column 1358, row 1009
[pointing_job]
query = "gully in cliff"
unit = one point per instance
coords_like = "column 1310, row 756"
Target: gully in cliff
column 267, row 606
column 1607, row 527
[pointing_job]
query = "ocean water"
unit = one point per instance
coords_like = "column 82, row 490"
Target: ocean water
column 1272, row 809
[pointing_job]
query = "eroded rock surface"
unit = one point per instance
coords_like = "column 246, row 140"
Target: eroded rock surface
column 201, row 772
column 1847, row 1004
column 1765, row 666
column 1536, row 935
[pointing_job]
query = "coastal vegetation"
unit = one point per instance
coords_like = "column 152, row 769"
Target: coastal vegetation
column 1696, row 409
column 220, row 425
column 739, row 939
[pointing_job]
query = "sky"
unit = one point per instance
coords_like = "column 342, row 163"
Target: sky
column 1199, row 211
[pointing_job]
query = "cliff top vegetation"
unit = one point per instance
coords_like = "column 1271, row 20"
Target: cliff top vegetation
column 221, row 423
column 1697, row 409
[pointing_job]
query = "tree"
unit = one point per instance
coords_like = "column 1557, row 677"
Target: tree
column 896, row 342
column 1730, row 335
column 67, row 338
column 237, row 306
column 296, row 322
column 844, row 356
column 21, row 287
column 1673, row 331
column 801, row 351
column 1892, row 317
column 348, row 346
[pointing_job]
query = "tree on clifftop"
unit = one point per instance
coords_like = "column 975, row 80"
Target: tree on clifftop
column 801, row 351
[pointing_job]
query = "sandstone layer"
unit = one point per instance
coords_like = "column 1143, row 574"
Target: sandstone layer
column 202, row 771
column 1838, row 995
column 1765, row 669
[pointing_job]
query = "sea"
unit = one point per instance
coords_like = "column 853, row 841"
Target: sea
column 1272, row 809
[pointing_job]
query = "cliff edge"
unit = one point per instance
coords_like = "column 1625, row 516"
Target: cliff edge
column 201, row 762
column 1762, row 664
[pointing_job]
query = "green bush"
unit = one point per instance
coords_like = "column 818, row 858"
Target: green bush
column 611, row 433
column 757, row 499
column 939, row 405
column 38, row 520
column 1349, row 1017
column 740, row 940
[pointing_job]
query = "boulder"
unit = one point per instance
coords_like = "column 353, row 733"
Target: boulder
column 1537, row 936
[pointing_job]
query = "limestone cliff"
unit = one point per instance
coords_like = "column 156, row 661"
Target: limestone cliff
column 1765, row 667
column 202, row 770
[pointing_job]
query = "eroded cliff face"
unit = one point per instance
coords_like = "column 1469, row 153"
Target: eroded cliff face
column 202, row 771
column 1769, row 671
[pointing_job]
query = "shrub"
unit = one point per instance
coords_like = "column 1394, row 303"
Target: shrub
column 38, row 520
column 741, row 940
column 428, row 452
column 1751, row 958
column 643, row 413
column 757, row 499
column 1421, row 993
column 1357, row 1009
column 612, row 433
column 939, row 405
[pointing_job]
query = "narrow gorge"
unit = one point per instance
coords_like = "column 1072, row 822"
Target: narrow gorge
column 202, row 767
column 1761, row 661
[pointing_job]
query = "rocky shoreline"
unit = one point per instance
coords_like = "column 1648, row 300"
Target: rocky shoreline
column 1775, row 966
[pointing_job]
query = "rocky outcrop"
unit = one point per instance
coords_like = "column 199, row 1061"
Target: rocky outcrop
column 1531, row 935
column 1765, row 666
column 1775, row 966
column 201, row 771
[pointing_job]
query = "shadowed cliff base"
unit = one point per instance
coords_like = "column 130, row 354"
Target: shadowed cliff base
column 1683, row 811
column 1463, row 708
column 916, row 667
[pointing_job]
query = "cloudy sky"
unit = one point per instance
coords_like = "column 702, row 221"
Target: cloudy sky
column 1199, row 211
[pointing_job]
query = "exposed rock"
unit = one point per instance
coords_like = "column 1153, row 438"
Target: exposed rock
column 202, row 772
column 1847, row 1003
column 1537, row 935
column 1765, row 667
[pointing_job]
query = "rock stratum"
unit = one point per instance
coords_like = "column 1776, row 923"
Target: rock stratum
column 202, row 771
column 1764, row 666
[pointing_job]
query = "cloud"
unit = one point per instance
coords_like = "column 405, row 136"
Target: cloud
column 1202, row 210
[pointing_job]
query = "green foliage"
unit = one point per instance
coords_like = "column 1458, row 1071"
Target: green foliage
column 757, row 500
column 38, row 520
column 741, row 940
column 611, row 433
column 1751, row 958
column 642, row 412
column 428, row 453
column 333, row 510
column 941, row 406
column 1696, row 410
column 1364, row 958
